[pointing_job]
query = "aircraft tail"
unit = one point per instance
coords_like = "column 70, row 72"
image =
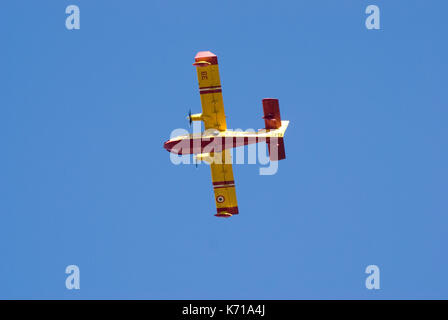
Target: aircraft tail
column 271, row 112
column 276, row 148
column 272, row 121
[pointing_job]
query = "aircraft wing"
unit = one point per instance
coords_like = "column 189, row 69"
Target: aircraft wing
column 223, row 184
column 210, row 89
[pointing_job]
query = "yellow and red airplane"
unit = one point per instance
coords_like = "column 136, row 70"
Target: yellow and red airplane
column 211, row 146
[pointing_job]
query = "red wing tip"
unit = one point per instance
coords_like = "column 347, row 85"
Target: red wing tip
column 226, row 212
column 206, row 56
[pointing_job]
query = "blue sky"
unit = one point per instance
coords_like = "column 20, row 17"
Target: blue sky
column 84, row 178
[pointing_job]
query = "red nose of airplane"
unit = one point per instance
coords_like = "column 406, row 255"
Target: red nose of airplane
column 168, row 145
column 184, row 146
column 176, row 146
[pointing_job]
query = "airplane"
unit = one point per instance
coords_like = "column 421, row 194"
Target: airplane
column 212, row 146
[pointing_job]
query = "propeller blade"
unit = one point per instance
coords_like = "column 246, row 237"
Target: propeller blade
column 195, row 161
column 189, row 117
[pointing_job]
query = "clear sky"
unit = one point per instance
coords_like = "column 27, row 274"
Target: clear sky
column 84, row 178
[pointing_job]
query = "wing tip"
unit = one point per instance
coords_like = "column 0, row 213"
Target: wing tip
column 207, row 57
column 226, row 212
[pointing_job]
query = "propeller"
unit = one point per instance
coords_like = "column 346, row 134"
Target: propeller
column 195, row 162
column 189, row 117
